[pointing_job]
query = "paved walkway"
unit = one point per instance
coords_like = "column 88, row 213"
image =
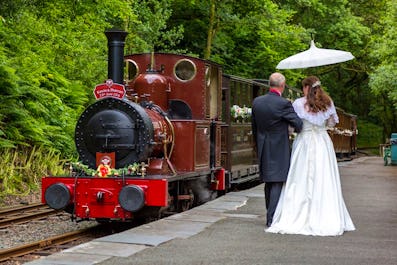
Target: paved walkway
column 229, row 231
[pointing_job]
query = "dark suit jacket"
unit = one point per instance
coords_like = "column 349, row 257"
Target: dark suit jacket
column 271, row 115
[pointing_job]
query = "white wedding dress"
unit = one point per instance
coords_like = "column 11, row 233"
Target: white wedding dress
column 311, row 201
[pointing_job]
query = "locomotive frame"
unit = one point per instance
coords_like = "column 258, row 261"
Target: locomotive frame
column 180, row 136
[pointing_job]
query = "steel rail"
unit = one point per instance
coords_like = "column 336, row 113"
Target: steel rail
column 10, row 210
column 23, row 214
column 18, row 251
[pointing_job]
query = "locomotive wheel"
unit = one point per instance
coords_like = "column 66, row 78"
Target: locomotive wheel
column 185, row 200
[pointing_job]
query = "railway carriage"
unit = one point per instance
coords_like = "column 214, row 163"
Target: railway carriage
column 167, row 132
column 344, row 135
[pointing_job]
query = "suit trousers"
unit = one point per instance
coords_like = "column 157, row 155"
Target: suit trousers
column 272, row 195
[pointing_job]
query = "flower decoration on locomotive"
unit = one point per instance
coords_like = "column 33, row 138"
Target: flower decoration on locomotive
column 105, row 170
column 240, row 114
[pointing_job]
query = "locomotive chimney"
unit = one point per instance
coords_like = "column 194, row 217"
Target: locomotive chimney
column 116, row 40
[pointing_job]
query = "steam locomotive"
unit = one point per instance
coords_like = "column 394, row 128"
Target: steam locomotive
column 166, row 133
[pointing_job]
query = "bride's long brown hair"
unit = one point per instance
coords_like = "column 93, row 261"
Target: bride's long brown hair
column 317, row 99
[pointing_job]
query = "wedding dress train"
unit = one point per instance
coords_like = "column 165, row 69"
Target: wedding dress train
column 311, row 201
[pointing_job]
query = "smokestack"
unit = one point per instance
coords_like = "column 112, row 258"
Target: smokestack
column 116, row 40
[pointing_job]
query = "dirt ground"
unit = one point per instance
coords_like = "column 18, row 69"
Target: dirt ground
column 14, row 200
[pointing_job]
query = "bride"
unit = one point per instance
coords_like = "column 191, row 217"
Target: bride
column 311, row 201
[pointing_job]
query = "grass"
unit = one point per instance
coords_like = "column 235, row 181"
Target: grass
column 21, row 169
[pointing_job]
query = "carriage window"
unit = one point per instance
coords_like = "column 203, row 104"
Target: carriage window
column 131, row 69
column 207, row 75
column 241, row 93
column 185, row 70
column 213, row 91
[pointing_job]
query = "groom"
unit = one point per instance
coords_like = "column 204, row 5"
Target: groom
column 271, row 115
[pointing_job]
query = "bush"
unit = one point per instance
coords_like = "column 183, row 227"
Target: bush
column 21, row 169
column 369, row 135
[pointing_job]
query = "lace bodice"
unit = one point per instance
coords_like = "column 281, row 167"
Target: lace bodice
column 324, row 118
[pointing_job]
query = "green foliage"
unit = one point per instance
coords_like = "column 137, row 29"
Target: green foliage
column 34, row 91
column 249, row 37
column 151, row 31
column 383, row 75
column 52, row 55
column 193, row 18
column 134, row 169
column 335, row 25
column 49, row 72
column 383, row 82
column 369, row 134
column 21, row 169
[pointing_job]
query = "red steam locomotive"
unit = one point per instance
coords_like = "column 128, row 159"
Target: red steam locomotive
column 166, row 133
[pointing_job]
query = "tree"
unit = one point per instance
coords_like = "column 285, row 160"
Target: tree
column 333, row 25
column 50, row 72
column 151, row 31
column 247, row 37
column 212, row 27
column 383, row 74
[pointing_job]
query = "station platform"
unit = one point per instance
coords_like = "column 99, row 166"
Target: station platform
column 230, row 230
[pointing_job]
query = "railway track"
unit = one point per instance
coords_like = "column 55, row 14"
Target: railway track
column 23, row 214
column 46, row 246
column 12, row 218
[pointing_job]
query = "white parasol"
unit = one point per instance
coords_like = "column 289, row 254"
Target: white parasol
column 314, row 57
